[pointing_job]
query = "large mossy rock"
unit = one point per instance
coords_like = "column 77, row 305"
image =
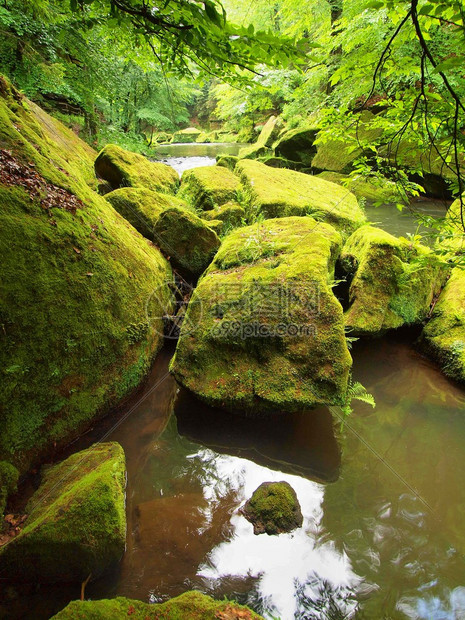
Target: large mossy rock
column 184, row 136
column 393, row 281
column 186, row 239
column 76, row 277
column 373, row 190
column 76, row 524
column 188, row 606
column 297, row 146
column 263, row 330
column 122, row 168
column 273, row 509
column 231, row 214
column 142, row 207
column 275, row 192
column 262, row 146
column 444, row 335
column 208, row 187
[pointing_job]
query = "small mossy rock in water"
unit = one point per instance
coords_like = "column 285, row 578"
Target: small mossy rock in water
column 231, row 214
column 188, row 606
column 142, row 207
column 75, row 282
column 273, row 509
column 297, row 146
column 264, row 142
column 190, row 134
column 186, row 239
column 76, row 524
column 374, row 190
column 227, row 161
column 275, row 192
column 393, row 281
column 444, row 335
column 263, row 330
column 122, row 168
column 9, row 476
column 208, row 186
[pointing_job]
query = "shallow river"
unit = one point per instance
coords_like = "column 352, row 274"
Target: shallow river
column 383, row 498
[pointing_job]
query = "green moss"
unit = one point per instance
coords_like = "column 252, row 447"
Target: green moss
column 267, row 277
column 275, row 192
column 186, row 239
column 122, row 168
column 444, row 335
column 273, row 509
column 373, row 190
column 297, row 145
column 394, row 281
column 227, row 161
column 142, row 207
column 264, row 141
column 190, row 134
column 76, row 522
column 209, row 186
column 188, row 606
column 231, row 214
column 71, row 285
column 9, row 476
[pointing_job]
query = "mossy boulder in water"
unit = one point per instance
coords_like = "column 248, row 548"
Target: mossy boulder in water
column 208, row 186
column 263, row 330
column 227, row 161
column 275, row 192
column 76, row 277
column 393, row 281
column 184, row 136
column 122, row 168
column 142, row 207
column 297, row 146
column 444, row 335
column 188, row 606
column 187, row 240
column 76, row 524
column 262, row 146
column 273, row 509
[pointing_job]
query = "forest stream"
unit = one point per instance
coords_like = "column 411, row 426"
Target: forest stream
column 382, row 495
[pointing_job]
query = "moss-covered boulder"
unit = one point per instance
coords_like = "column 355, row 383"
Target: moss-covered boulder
column 142, row 207
column 186, row 239
column 297, row 146
column 209, row 186
column 264, row 142
column 372, row 189
column 76, row 524
column 231, row 214
column 273, row 509
column 190, row 134
column 76, row 277
column 188, row 606
column 393, row 281
column 227, row 161
column 9, row 476
column 274, row 192
column 122, row 168
column 263, row 330
column 444, row 335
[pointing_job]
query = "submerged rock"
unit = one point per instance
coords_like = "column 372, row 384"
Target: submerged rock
column 263, row 330
column 76, row 523
column 186, row 239
column 393, row 282
column 444, row 335
column 188, row 606
column 208, row 187
column 76, row 277
column 122, row 168
column 276, row 192
column 273, row 509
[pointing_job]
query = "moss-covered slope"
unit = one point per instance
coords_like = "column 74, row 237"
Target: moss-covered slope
column 275, row 192
column 188, row 606
column 444, row 335
column 122, row 168
column 76, row 278
column 393, row 281
column 76, row 523
column 208, row 186
column 263, row 330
